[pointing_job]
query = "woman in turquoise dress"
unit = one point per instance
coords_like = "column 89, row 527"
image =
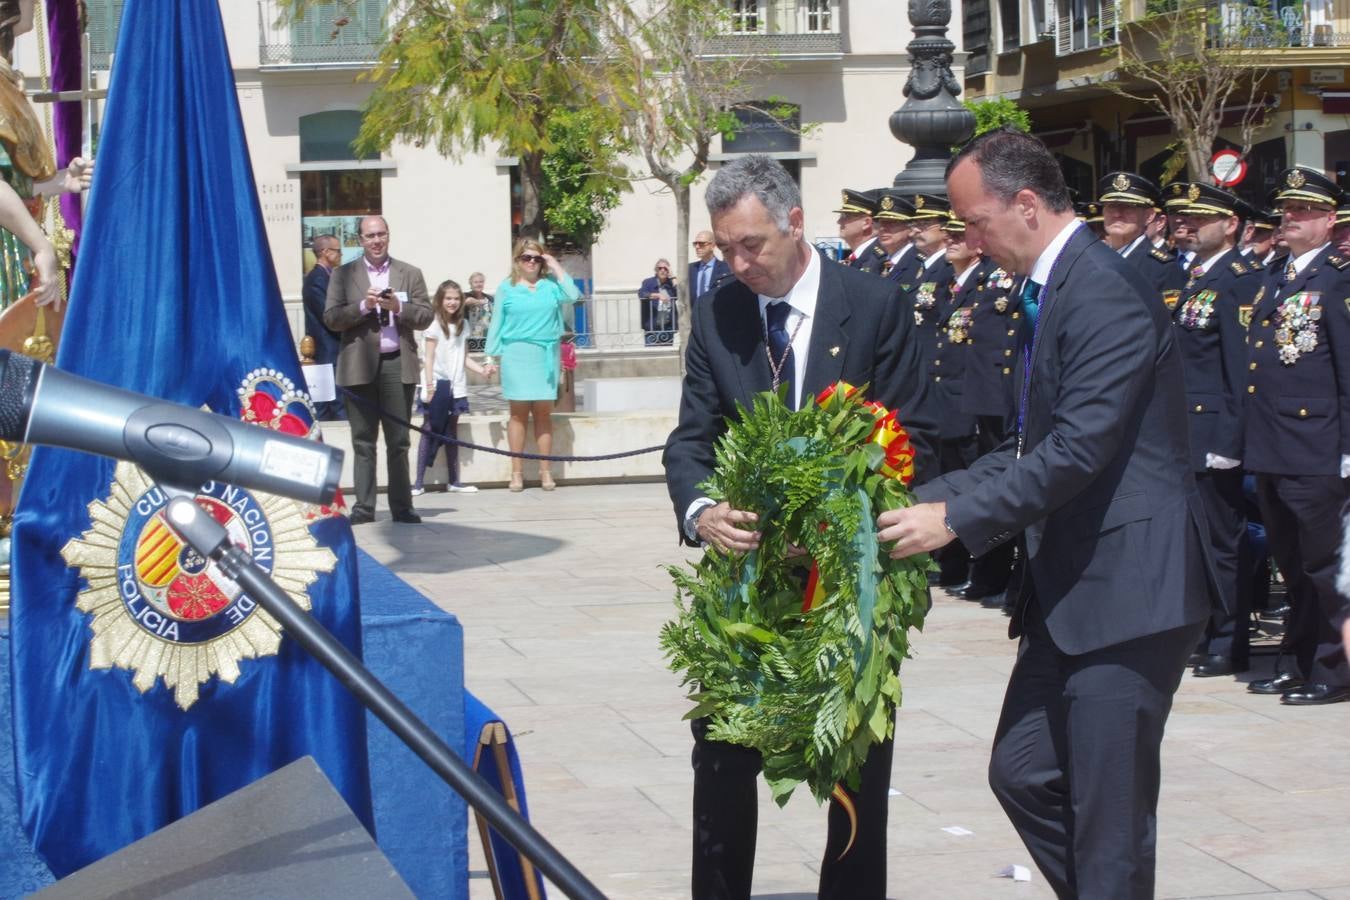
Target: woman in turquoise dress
column 525, row 337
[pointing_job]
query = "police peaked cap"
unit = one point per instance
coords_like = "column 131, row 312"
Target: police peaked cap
column 893, row 206
column 862, row 203
column 931, row 206
column 1307, row 185
column 1127, row 187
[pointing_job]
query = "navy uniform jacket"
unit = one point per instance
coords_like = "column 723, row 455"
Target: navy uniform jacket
column 907, row 273
column 950, row 358
column 1113, row 525
column 1298, row 399
column 927, row 299
column 1212, row 337
column 1160, row 269
column 871, row 259
column 991, row 351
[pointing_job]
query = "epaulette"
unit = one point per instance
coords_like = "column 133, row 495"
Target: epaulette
column 1240, row 267
column 878, row 251
column 1338, row 262
column 1161, row 255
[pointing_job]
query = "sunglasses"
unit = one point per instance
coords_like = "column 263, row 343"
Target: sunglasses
column 702, row 243
column 529, row 258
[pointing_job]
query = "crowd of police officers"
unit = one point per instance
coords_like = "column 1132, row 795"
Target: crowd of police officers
column 1260, row 303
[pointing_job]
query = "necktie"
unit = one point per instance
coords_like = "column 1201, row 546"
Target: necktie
column 781, row 363
column 848, row 260
column 704, row 275
column 1290, row 271
column 1031, row 301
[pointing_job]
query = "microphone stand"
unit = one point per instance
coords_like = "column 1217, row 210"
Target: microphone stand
column 208, row 537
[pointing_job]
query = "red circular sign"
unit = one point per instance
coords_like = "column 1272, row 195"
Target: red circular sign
column 1228, row 168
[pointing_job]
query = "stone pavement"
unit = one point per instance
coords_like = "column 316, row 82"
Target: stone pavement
column 561, row 596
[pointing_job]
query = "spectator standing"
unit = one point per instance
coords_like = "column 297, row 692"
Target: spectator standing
column 706, row 271
column 525, row 334
column 446, row 358
column 327, row 255
column 657, row 309
column 477, row 311
column 376, row 303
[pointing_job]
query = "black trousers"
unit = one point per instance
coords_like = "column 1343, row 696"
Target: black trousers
column 386, row 393
column 1302, row 514
column 1228, row 631
column 726, row 815
column 1076, row 757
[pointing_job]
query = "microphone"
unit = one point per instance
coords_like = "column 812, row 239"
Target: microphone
column 175, row 444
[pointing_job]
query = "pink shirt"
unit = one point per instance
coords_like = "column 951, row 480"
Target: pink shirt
column 379, row 280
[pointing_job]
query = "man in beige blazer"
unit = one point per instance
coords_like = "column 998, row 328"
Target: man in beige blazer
column 376, row 303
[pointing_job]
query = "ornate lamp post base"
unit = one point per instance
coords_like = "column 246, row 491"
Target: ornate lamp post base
column 931, row 120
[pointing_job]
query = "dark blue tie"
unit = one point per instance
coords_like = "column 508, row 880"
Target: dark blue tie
column 780, row 347
column 1031, row 301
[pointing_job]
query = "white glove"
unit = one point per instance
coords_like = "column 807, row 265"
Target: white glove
column 1345, row 466
column 1215, row 461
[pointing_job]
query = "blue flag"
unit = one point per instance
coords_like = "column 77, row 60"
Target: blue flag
column 145, row 684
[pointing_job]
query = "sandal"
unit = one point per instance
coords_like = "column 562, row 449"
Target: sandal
column 546, row 481
column 517, row 483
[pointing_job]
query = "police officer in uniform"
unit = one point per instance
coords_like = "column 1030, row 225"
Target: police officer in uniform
column 1298, row 434
column 856, row 228
column 1091, row 214
column 1258, row 239
column 1175, row 200
column 929, row 293
column 1128, row 208
column 988, row 394
column 957, row 445
column 894, row 226
column 1211, row 330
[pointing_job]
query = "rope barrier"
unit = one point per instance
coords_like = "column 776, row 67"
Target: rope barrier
column 442, row 439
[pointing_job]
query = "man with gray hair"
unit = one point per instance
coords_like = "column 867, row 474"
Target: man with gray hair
column 787, row 318
column 327, row 255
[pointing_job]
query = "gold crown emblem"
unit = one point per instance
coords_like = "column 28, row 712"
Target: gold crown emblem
column 1194, row 193
column 1176, row 189
column 1121, row 182
column 1092, row 209
column 887, row 203
column 918, row 202
column 843, row 197
column 1296, row 179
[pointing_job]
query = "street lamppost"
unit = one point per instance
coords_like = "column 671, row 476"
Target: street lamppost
column 931, row 120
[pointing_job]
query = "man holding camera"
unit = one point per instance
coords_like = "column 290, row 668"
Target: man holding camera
column 376, row 303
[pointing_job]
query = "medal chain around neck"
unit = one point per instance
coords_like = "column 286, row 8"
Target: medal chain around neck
column 775, row 368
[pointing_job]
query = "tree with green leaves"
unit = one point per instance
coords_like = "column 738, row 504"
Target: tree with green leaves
column 997, row 112
column 458, row 74
column 583, row 176
column 1192, row 61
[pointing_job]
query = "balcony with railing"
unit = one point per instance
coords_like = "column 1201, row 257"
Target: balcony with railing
column 1317, row 24
column 329, row 36
column 782, row 28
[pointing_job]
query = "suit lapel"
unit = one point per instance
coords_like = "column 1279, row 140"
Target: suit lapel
column 1078, row 243
column 829, row 342
column 739, row 322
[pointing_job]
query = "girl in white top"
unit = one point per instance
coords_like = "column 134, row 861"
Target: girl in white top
column 445, row 359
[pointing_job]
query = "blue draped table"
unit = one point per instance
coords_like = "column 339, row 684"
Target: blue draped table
column 417, row 650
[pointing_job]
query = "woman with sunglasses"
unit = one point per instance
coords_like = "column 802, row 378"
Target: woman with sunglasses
column 526, row 330
column 657, row 310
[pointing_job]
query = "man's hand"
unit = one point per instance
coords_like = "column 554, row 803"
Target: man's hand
column 79, row 175
column 918, row 529
column 46, row 284
column 719, row 525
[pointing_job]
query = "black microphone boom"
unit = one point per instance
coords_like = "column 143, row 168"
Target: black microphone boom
column 175, row 444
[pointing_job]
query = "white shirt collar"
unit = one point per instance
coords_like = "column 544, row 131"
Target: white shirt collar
column 1302, row 261
column 963, row 277
column 1129, row 248
column 1205, row 266
column 862, row 248
column 930, row 261
column 1040, row 273
column 900, row 254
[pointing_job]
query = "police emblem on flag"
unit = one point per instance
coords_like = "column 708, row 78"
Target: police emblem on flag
column 160, row 609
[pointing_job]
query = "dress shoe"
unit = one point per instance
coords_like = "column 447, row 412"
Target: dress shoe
column 995, row 601
column 1315, row 694
column 1196, row 659
column 1281, row 683
column 408, row 517
column 1278, row 612
column 1213, row 665
column 978, row 590
column 361, row 517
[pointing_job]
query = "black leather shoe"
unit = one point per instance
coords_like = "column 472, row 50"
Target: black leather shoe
column 1279, row 612
column 1213, row 665
column 1281, row 683
column 1196, row 658
column 1315, row 695
column 960, row 590
column 361, row 517
column 995, row 601
column 978, row 590
column 408, row 517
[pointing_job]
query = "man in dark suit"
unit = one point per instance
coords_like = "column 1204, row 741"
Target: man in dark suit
column 858, row 231
column 706, row 272
column 1211, row 327
column 1099, row 485
column 789, row 312
column 894, row 230
column 377, row 303
column 1298, row 434
column 314, row 293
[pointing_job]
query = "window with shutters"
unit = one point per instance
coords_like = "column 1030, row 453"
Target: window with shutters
column 344, row 32
column 818, row 16
column 1083, row 25
column 104, row 17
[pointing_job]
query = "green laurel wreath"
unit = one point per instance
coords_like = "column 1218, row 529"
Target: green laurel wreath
column 811, row 690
